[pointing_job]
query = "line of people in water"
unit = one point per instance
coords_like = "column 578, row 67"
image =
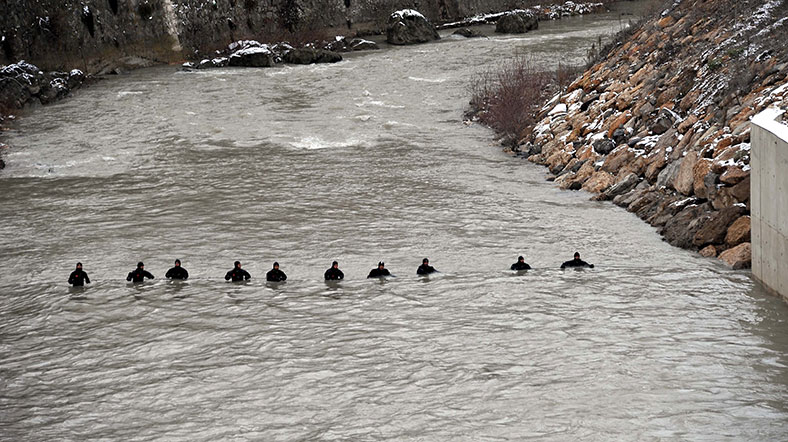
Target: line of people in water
column 79, row 277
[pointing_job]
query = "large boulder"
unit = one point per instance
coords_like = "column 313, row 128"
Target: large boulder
column 685, row 178
column 407, row 27
column 739, row 257
column 733, row 175
column 55, row 88
column 311, row 55
column 19, row 82
column 664, row 121
column 681, row 229
column 668, row 175
column 604, row 146
column 702, row 183
column 709, row 252
column 255, row 57
column 623, row 186
column 714, row 230
column 468, row 33
column 516, row 22
column 738, row 232
column 599, row 182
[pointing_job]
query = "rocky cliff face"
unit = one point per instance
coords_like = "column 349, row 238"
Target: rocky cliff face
column 661, row 124
column 91, row 34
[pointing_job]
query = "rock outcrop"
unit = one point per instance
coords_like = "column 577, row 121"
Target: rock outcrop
column 517, row 22
column 661, row 124
column 541, row 12
column 256, row 57
column 311, row 55
column 468, row 33
column 407, row 27
column 22, row 83
column 251, row 53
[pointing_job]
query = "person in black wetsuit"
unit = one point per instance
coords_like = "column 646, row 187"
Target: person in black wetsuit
column 177, row 272
column 237, row 273
column 78, row 277
column 379, row 272
column 520, row 264
column 334, row 274
column 275, row 274
column 577, row 262
column 425, row 268
column 139, row 274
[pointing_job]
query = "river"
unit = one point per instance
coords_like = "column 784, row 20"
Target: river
column 363, row 161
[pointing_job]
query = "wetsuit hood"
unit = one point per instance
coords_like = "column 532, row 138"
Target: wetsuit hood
column 140, row 264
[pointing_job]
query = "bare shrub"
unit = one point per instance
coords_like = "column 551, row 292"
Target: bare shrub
column 508, row 97
column 565, row 74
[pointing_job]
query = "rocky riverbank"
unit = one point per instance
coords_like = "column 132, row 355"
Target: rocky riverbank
column 23, row 83
column 539, row 12
column 661, row 125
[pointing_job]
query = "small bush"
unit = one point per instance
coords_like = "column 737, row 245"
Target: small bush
column 565, row 74
column 714, row 64
column 508, row 97
column 734, row 52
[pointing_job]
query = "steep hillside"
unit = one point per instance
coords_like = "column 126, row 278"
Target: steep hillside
column 661, row 124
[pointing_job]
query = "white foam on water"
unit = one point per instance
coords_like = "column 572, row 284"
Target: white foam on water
column 428, row 80
column 317, row 143
column 392, row 124
column 122, row 94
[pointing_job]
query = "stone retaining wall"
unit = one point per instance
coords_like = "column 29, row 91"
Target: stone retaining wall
column 661, row 125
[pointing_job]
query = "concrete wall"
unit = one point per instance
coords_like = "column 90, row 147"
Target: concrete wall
column 769, row 201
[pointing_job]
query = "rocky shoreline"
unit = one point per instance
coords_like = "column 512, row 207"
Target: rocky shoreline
column 661, row 125
column 23, row 83
column 540, row 13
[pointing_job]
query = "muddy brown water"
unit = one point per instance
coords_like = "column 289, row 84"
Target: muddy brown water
column 362, row 161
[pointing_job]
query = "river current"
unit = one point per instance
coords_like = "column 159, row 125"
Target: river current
column 363, row 161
